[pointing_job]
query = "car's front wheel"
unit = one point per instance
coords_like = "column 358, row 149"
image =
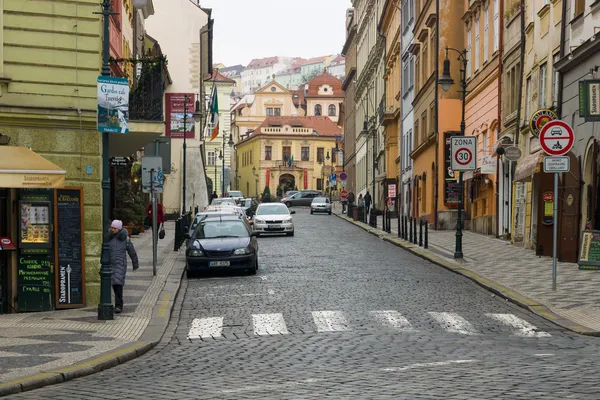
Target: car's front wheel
column 189, row 274
column 288, row 204
column 290, row 233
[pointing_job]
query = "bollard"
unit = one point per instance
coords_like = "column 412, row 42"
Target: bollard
column 399, row 226
column 420, row 232
column 410, row 230
column 177, row 233
column 415, row 234
column 405, row 229
column 426, row 245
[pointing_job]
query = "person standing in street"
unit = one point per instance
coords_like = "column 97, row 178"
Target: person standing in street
column 367, row 203
column 120, row 247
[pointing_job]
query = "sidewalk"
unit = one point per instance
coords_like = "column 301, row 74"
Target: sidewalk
column 43, row 344
column 513, row 273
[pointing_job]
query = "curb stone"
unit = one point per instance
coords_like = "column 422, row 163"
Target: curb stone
column 113, row 358
column 496, row 288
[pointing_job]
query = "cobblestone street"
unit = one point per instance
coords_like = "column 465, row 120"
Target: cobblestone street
column 337, row 312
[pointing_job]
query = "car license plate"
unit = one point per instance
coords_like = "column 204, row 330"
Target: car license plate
column 218, row 264
column 274, row 226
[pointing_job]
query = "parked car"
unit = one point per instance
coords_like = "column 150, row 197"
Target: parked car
column 273, row 218
column 303, row 198
column 290, row 193
column 222, row 200
column 236, row 195
column 222, row 243
column 320, row 204
column 249, row 206
column 209, row 213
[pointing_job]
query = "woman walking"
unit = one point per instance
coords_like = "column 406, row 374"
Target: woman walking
column 120, row 246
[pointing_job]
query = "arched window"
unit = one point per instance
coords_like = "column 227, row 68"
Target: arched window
column 318, row 110
column 332, row 110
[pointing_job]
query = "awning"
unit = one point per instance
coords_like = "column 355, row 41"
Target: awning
column 23, row 168
column 140, row 134
column 527, row 166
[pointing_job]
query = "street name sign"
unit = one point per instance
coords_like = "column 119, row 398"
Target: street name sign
column 512, row 153
column 464, row 153
column 152, row 174
column 557, row 164
column 557, row 138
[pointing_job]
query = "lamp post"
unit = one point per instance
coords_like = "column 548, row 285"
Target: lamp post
column 256, row 179
column 328, row 186
column 446, row 81
column 222, row 158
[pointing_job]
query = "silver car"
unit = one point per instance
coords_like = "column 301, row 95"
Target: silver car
column 273, row 218
column 320, row 204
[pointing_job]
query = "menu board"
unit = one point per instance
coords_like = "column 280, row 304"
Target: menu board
column 589, row 254
column 451, row 188
column 70, row 269
column 35, row 224
column 34, row 281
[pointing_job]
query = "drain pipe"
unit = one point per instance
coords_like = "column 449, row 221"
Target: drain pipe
column 437, row 146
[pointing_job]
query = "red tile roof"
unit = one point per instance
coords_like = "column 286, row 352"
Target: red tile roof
column 323, row 125
column 315, row 60
column 325, row 79
column 337, row 60
column 263, row 62
column 217, row 77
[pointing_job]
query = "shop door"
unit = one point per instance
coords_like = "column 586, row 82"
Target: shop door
column 545, row 219
column 568, row 207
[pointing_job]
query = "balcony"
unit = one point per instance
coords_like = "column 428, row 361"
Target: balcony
column 390, row 113
column 289, row 164
column 146, row 98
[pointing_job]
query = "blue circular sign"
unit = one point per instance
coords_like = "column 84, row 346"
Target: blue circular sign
column 343, row 176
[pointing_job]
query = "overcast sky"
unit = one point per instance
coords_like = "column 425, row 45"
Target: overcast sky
column 247, row 29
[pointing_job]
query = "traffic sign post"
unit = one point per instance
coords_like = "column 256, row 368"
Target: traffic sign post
column 556, row 139
column 464, row 158
column 344, row 194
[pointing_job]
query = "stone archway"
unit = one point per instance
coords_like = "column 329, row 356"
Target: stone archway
column 287, row 182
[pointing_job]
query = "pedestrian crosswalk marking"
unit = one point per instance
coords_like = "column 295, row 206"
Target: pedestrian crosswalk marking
column 330, row 321
column 522, row 327
column 336, row 321
column 206, row 328
column 454, row 323
column 269, row 324
column 393, row 319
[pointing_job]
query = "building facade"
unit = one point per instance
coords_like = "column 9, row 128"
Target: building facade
column 337, row 67
column 218, row 150
column 260, row 71
column 351, row 128
column 287, row 153
column 408, row 84
column 482, row 111
column 234, row 73
column 324, row 96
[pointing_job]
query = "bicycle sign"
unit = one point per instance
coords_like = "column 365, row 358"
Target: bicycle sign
column 464, row 153
column 557, row 138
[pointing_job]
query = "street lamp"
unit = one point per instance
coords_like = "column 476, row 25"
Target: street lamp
column 256, row 179
column 446, row 81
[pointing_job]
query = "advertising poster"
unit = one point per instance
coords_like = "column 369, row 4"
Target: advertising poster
column 178, row 105
column 113, row 104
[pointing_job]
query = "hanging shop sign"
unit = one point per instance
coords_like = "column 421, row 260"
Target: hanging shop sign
column 113, row 104
column 589, row 100
column 589, row 254
column 450, row 182
column 548, row 198
column 539, row 119
column 488, row 165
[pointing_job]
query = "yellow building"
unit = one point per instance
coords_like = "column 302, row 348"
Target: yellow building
column 289, row 152
column 391, row 113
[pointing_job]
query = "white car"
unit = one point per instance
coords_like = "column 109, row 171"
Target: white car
column 320, row 204
column 273, row 218
column 226, row 207
column 236, row 195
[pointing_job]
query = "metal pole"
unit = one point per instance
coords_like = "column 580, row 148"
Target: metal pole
column 458, row 253
column 185, row 98
column 154, row 222
column 555, row 231
column 223, row 169
column 105, row 308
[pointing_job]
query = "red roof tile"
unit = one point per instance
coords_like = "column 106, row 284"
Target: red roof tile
column 325, row 79
column 323, row 125
column 316, row 60
column 263, row 62
column 217, row 77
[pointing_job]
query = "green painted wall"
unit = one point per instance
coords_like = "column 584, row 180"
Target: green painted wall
column 51, row 52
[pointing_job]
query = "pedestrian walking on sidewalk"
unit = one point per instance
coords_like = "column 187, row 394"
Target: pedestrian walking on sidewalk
column 367, row 204
column 120, row 247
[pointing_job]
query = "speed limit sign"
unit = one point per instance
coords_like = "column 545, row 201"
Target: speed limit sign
column 464, row 153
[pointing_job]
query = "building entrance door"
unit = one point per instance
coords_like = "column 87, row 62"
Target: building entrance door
column 4, row 255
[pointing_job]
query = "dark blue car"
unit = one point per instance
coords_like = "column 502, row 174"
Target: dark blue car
column 222, row 242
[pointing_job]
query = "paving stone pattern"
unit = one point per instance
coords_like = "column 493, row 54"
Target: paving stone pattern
column 576, row 297
column 336, row 312
column 36, row 342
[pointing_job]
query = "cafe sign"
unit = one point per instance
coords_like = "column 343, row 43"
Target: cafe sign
column 589, row 100
column 539, row 119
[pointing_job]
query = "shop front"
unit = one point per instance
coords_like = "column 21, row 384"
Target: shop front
column 41, row 235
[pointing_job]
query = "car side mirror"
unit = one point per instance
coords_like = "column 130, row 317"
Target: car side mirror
column 292, row 212
column 255, row 234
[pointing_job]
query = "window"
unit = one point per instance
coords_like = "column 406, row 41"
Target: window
column 319, row 184
column 405, row 16
column 527, row 97
column 411, row 72
column 542, row 94
column 269, row 112
column 486, row 32
column 268, row 151
column 318, row 110
column 211, row 158
column 417, row 73
column 277, row 111
column 496, row 26
column 320, row 154
column 425, row 60
column 305, row 153
column 251, row 157
column 432, row 47
column 332, row 110
column 579, row 7
column 424, row 132
column 287, row 152
column 477, row 34
column 555, row 80
column 469, row 52
column 432, row 117
column 416, row 137
column 405, row 77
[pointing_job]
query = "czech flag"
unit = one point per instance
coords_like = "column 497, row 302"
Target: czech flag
column 214, row 112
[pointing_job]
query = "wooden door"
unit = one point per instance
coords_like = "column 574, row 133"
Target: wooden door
column 568, row 208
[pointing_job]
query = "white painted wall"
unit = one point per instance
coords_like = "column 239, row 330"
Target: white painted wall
column 407, row 136
column 176, row 40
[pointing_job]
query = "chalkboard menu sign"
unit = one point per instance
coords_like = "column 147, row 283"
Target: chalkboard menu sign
column 589, row 255
column 451, row 188
column 35, row 280
column 69, row 247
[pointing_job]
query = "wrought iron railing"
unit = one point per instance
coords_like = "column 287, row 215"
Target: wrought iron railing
column 146, row 98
